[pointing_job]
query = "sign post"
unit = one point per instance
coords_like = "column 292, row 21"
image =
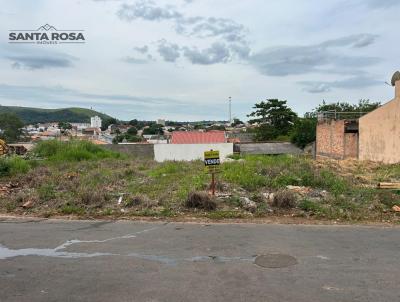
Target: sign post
column 211, row 162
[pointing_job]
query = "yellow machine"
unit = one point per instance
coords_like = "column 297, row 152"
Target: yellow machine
column 3, row 147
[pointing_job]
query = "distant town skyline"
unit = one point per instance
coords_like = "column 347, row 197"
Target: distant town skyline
column 182, row 60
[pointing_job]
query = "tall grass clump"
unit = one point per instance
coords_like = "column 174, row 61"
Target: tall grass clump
column 13, row 166
column 72, row 151
column 277, row 172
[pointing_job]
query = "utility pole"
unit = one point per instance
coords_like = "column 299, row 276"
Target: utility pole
column 230, row 110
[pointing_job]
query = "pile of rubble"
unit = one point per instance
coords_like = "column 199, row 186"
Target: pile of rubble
column 277, row 199
column 7, row 189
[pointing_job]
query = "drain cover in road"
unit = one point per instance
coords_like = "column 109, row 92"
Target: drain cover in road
column 275, row 260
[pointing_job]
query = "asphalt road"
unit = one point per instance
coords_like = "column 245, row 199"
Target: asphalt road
column 130, row 261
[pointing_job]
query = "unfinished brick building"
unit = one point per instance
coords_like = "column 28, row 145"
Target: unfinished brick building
column 374, row 136
column 337, row 139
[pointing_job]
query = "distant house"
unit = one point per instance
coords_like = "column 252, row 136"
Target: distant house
column 161, row 121
column 195, row 137
column 95, row 122
column 91, row 131
column 112, row 128
column 80, row 126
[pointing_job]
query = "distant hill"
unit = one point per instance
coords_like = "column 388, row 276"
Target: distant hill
column 38, row 115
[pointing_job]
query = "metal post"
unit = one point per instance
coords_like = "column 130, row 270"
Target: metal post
column 213, row 183
column 230, row 110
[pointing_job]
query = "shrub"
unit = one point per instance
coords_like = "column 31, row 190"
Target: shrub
column 284, row 199
column 94, row 197
column 200, row 200
column 72, row 151
column 4, row 167
column 388, row 198
column 134, row 200
column 72, row 209
column 310, row 206
column 13, row 166
column 46, row 192
column 304, row 132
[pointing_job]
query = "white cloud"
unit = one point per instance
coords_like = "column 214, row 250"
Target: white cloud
column 215, row 50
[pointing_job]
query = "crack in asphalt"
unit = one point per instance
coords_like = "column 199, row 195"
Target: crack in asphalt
column 59, row 252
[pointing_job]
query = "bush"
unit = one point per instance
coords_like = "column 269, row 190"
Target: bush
column 93, row 198
column 304, row 132
column 71, row 209
column 46, row 192
column 200, row 200
column 4, row 167
column 13, row 166
column 72, row 151
column 310, row 206
column 284, row 199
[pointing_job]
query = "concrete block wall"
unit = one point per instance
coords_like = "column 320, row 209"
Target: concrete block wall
column 269, row 148
column 140, row 150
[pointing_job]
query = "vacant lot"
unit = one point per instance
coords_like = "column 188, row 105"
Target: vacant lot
column 84, row 180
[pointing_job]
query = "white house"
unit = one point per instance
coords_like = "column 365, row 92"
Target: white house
column 95, row 122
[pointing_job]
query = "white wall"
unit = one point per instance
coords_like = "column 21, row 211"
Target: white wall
column 163, row 152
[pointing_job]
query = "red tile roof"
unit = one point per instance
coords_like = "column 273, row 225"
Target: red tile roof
column 195, row 137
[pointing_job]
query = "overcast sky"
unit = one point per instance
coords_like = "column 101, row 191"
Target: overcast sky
column 181, row 60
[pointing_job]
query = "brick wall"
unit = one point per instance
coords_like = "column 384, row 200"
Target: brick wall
column 330, row 139
column 333, row 142
column 351, row 145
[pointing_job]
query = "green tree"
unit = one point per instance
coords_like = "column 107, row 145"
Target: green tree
column 133, row 138
column 64, row 126
column 10, row 127
column 132, row 131
column 134, row 122
column 216, row 127
column 154, row 129
column 108, row 122
column 304, row 132
column 275, row 119
column 352, row 110
column 236, row 122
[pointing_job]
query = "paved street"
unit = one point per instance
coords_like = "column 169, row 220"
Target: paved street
column 52, row 260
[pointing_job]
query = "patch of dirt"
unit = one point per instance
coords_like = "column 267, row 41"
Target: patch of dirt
column 202, row 220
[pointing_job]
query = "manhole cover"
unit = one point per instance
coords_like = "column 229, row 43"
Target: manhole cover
column 275, row 260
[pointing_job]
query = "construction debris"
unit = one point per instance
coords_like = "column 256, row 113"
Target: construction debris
column 299, row 189
column 389, row 185
column 6, row 189
column 269, row 196
column 396, row 208
column 28, row 204
column 248, row 204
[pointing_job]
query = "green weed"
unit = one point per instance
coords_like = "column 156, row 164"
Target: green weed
column 10, row 166
column 69, row 209
column 72, row 151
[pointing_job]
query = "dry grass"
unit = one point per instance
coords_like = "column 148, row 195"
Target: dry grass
column 200, row 200
column 284, row 199
column 93, row 186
